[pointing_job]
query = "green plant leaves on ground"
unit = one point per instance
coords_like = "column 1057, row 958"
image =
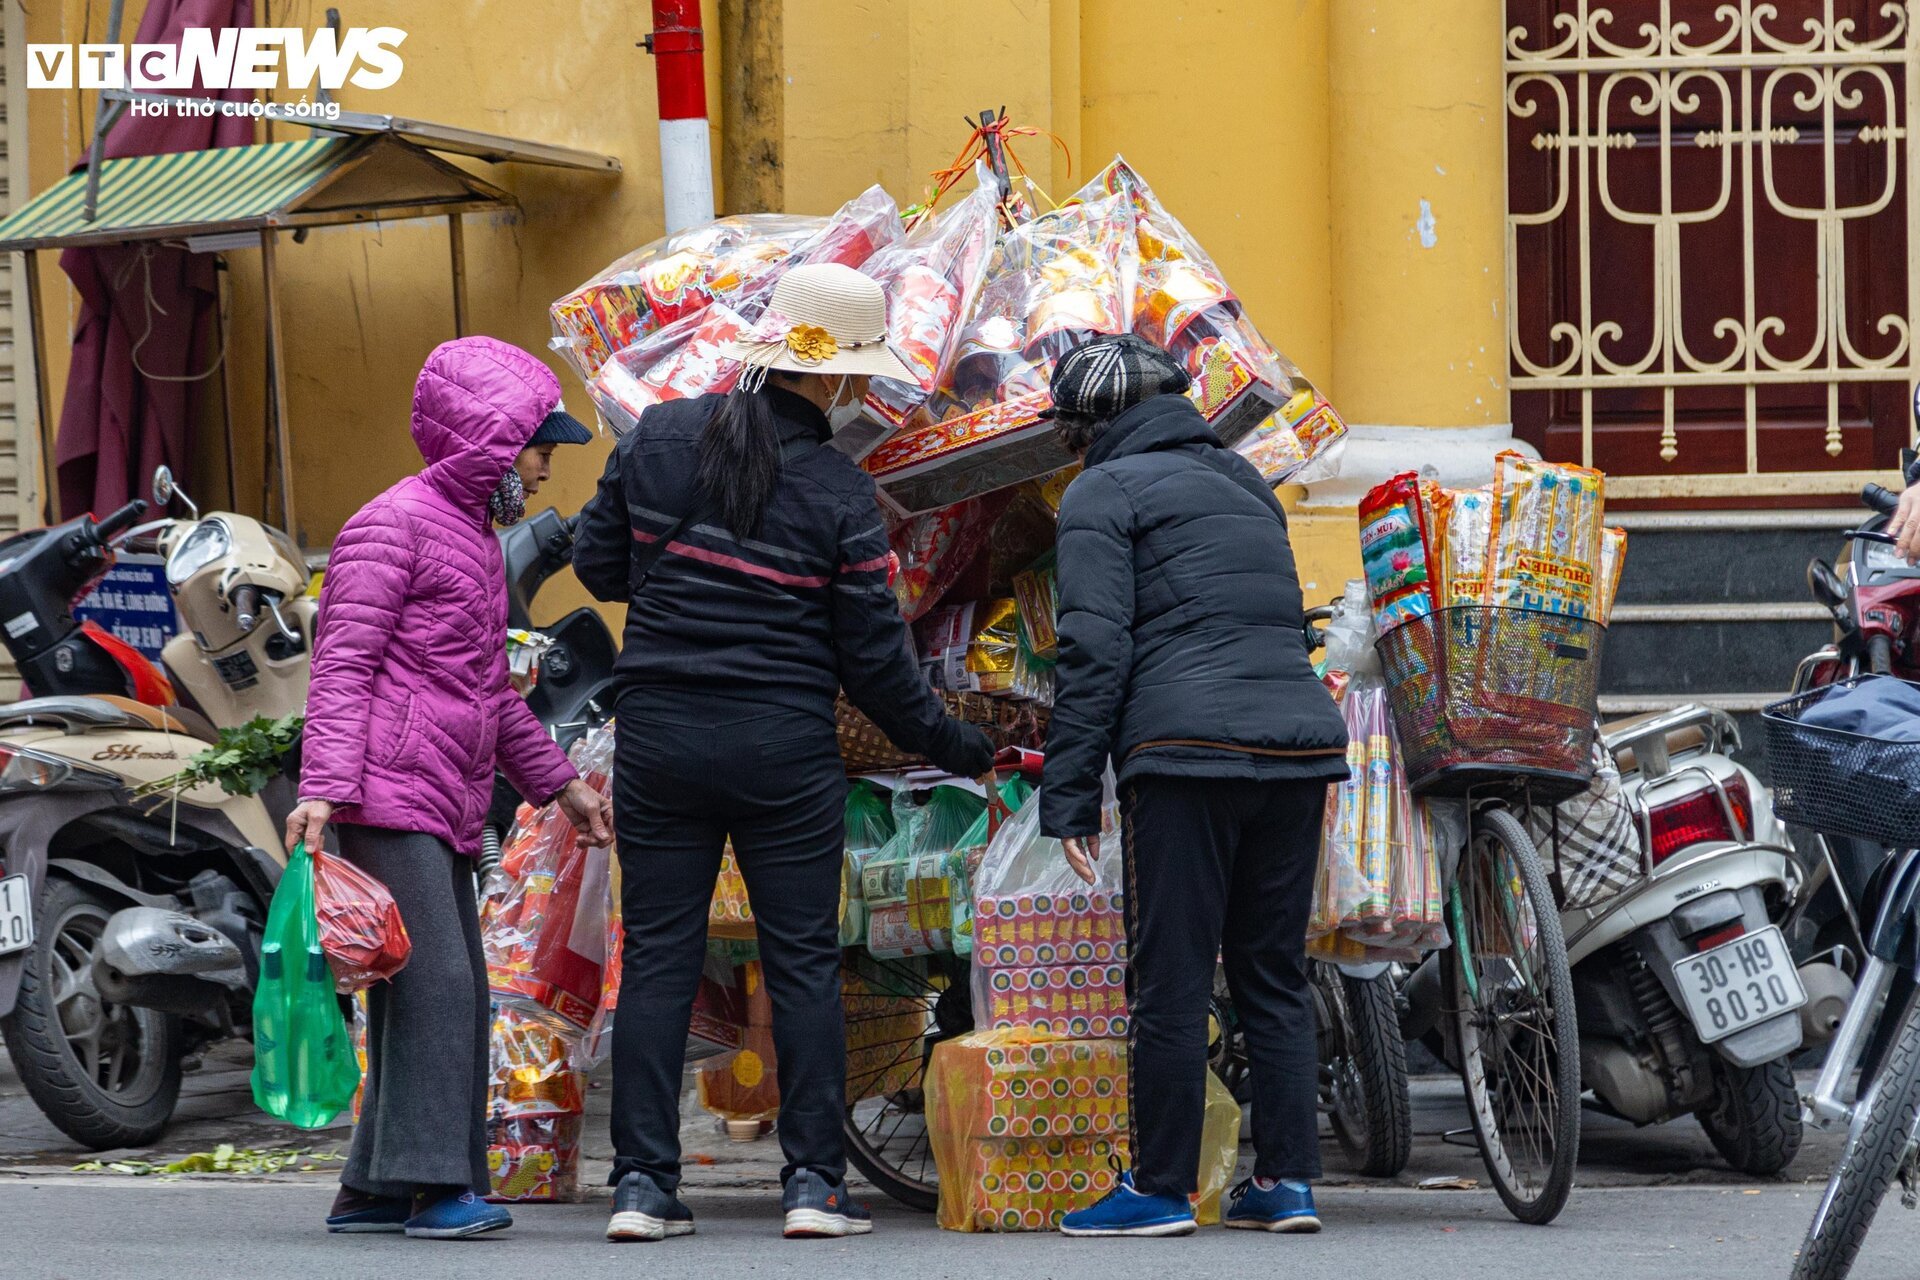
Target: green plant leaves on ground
column 225, row 1158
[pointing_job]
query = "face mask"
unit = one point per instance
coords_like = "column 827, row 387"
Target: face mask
column 841, row 416
column 509, row 500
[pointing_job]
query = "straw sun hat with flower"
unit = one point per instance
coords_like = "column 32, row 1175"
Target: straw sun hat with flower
column 823, row 318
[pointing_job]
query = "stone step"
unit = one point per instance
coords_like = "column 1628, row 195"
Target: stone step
column 1722, row 647
column 1679, row 557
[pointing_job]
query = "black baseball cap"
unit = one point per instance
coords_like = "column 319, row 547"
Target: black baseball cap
column 560, row 427
column 1105, row 376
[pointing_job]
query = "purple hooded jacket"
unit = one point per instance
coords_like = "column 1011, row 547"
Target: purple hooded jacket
column 409, row 705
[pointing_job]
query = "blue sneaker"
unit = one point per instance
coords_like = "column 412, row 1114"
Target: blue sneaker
column 816, row 1207
column 642, row 1211
column 455, row 1217
column 1286, row 1206
column 356, row 1213
column 1126, row 1212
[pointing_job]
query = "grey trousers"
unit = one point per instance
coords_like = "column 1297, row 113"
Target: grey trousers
column 423, row 1116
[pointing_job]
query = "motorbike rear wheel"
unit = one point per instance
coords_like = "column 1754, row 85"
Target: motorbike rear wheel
column 1363, row 1069
column 1878, row 1145
column 1514, row 1016
column 1754, row 1118
column 106, row 1075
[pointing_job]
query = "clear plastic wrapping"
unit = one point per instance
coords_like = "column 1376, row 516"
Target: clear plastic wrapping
column 1378, row 894
column 546, row 915
column 916, row 888
column 1050, row 950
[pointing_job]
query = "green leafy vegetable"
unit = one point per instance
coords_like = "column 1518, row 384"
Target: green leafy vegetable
column 246, row 758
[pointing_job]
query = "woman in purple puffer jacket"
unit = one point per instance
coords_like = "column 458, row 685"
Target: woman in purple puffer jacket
column 408, row 712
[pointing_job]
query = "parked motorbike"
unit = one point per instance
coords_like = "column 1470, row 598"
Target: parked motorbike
column 43, row 574
column 1828, row 782
column 130, row 929
column 1688, row 995
column 573, row 690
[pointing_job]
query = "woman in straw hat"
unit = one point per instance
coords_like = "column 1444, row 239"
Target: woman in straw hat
column 753, row 560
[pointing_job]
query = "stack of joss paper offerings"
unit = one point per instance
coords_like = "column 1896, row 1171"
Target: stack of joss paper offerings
column 1379, row 890
column 983, row 296
column 1026, row 1115
column 1535, row 539
column 1491, row 605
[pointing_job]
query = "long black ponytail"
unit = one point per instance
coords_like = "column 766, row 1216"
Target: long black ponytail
column 740, row 459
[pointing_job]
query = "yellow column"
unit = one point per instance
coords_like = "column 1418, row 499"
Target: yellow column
column 1418, row 214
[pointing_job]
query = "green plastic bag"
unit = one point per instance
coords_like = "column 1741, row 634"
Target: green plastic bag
column 304, row 1071
column 869, row 826
column 917, row 884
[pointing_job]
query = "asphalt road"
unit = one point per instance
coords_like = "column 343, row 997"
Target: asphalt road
column 71, row 1228
column 1649, row 1202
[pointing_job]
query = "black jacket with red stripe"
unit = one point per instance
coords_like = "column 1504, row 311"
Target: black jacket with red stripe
column 788, row 616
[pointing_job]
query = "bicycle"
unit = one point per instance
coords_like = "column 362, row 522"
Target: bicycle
column 1821, row 779
column 1497, row 707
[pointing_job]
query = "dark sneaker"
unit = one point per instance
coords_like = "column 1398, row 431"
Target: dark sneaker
column 354, row 1212
column 816, row 1207
column 1286, row 1206
column 642, row 1211
column 1126, row 1212
column 455, row 1217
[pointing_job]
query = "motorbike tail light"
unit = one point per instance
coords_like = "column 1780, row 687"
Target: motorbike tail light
column 1699, row 817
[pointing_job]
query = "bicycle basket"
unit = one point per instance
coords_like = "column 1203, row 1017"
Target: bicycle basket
column 1841, row 783
column 1484, row 695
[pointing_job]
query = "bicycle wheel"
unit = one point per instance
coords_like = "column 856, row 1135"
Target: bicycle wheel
column 1513, row 1002
column 1363, row 1069
column 896, row 1011
column 1878, row 1144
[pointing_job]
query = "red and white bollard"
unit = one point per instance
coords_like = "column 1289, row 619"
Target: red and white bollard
column 686, row 157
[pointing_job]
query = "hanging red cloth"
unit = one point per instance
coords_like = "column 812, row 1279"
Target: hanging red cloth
column 144, row 332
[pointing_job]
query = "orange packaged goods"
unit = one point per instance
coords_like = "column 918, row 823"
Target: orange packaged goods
column 1396, row 550
column 534, row 1158
column 932, row 279
column 731, row 915
column 924, row 468
column 1613, row 558
column 545, row 928
column 732, row 261
column 531, row 1067
column 360, row 927
column 1547, row 523
column 1025, row 1131
column 742, row 1085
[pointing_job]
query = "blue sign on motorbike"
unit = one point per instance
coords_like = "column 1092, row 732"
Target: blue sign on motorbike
column 132, row 604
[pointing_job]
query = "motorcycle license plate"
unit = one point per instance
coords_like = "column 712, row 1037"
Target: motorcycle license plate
column 1739, row 984
column 16, row 915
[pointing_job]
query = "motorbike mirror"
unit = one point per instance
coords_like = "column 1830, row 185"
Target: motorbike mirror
column 1825, row 584
column 165, row 490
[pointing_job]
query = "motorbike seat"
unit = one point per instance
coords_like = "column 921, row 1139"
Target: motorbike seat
column 101, row 711
column 1687, row 737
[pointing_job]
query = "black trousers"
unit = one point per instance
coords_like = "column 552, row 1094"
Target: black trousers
column 1220, row 867
column 423, row 1115
column 690, row 772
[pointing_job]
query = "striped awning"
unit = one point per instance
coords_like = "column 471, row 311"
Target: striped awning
column 240, row 188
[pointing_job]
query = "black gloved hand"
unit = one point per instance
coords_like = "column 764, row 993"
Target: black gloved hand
column 966, row 752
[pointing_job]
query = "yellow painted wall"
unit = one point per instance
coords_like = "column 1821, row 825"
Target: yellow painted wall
column 1253, row 121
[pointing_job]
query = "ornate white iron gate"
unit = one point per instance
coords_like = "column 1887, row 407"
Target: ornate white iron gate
column 1731, row 102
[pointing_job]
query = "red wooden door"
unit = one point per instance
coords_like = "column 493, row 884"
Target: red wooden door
column 1657, row 269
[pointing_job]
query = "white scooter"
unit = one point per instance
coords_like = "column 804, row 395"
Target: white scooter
column 130, row 928
column 1689, row 998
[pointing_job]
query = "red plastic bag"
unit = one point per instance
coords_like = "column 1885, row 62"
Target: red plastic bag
column 360, row 927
